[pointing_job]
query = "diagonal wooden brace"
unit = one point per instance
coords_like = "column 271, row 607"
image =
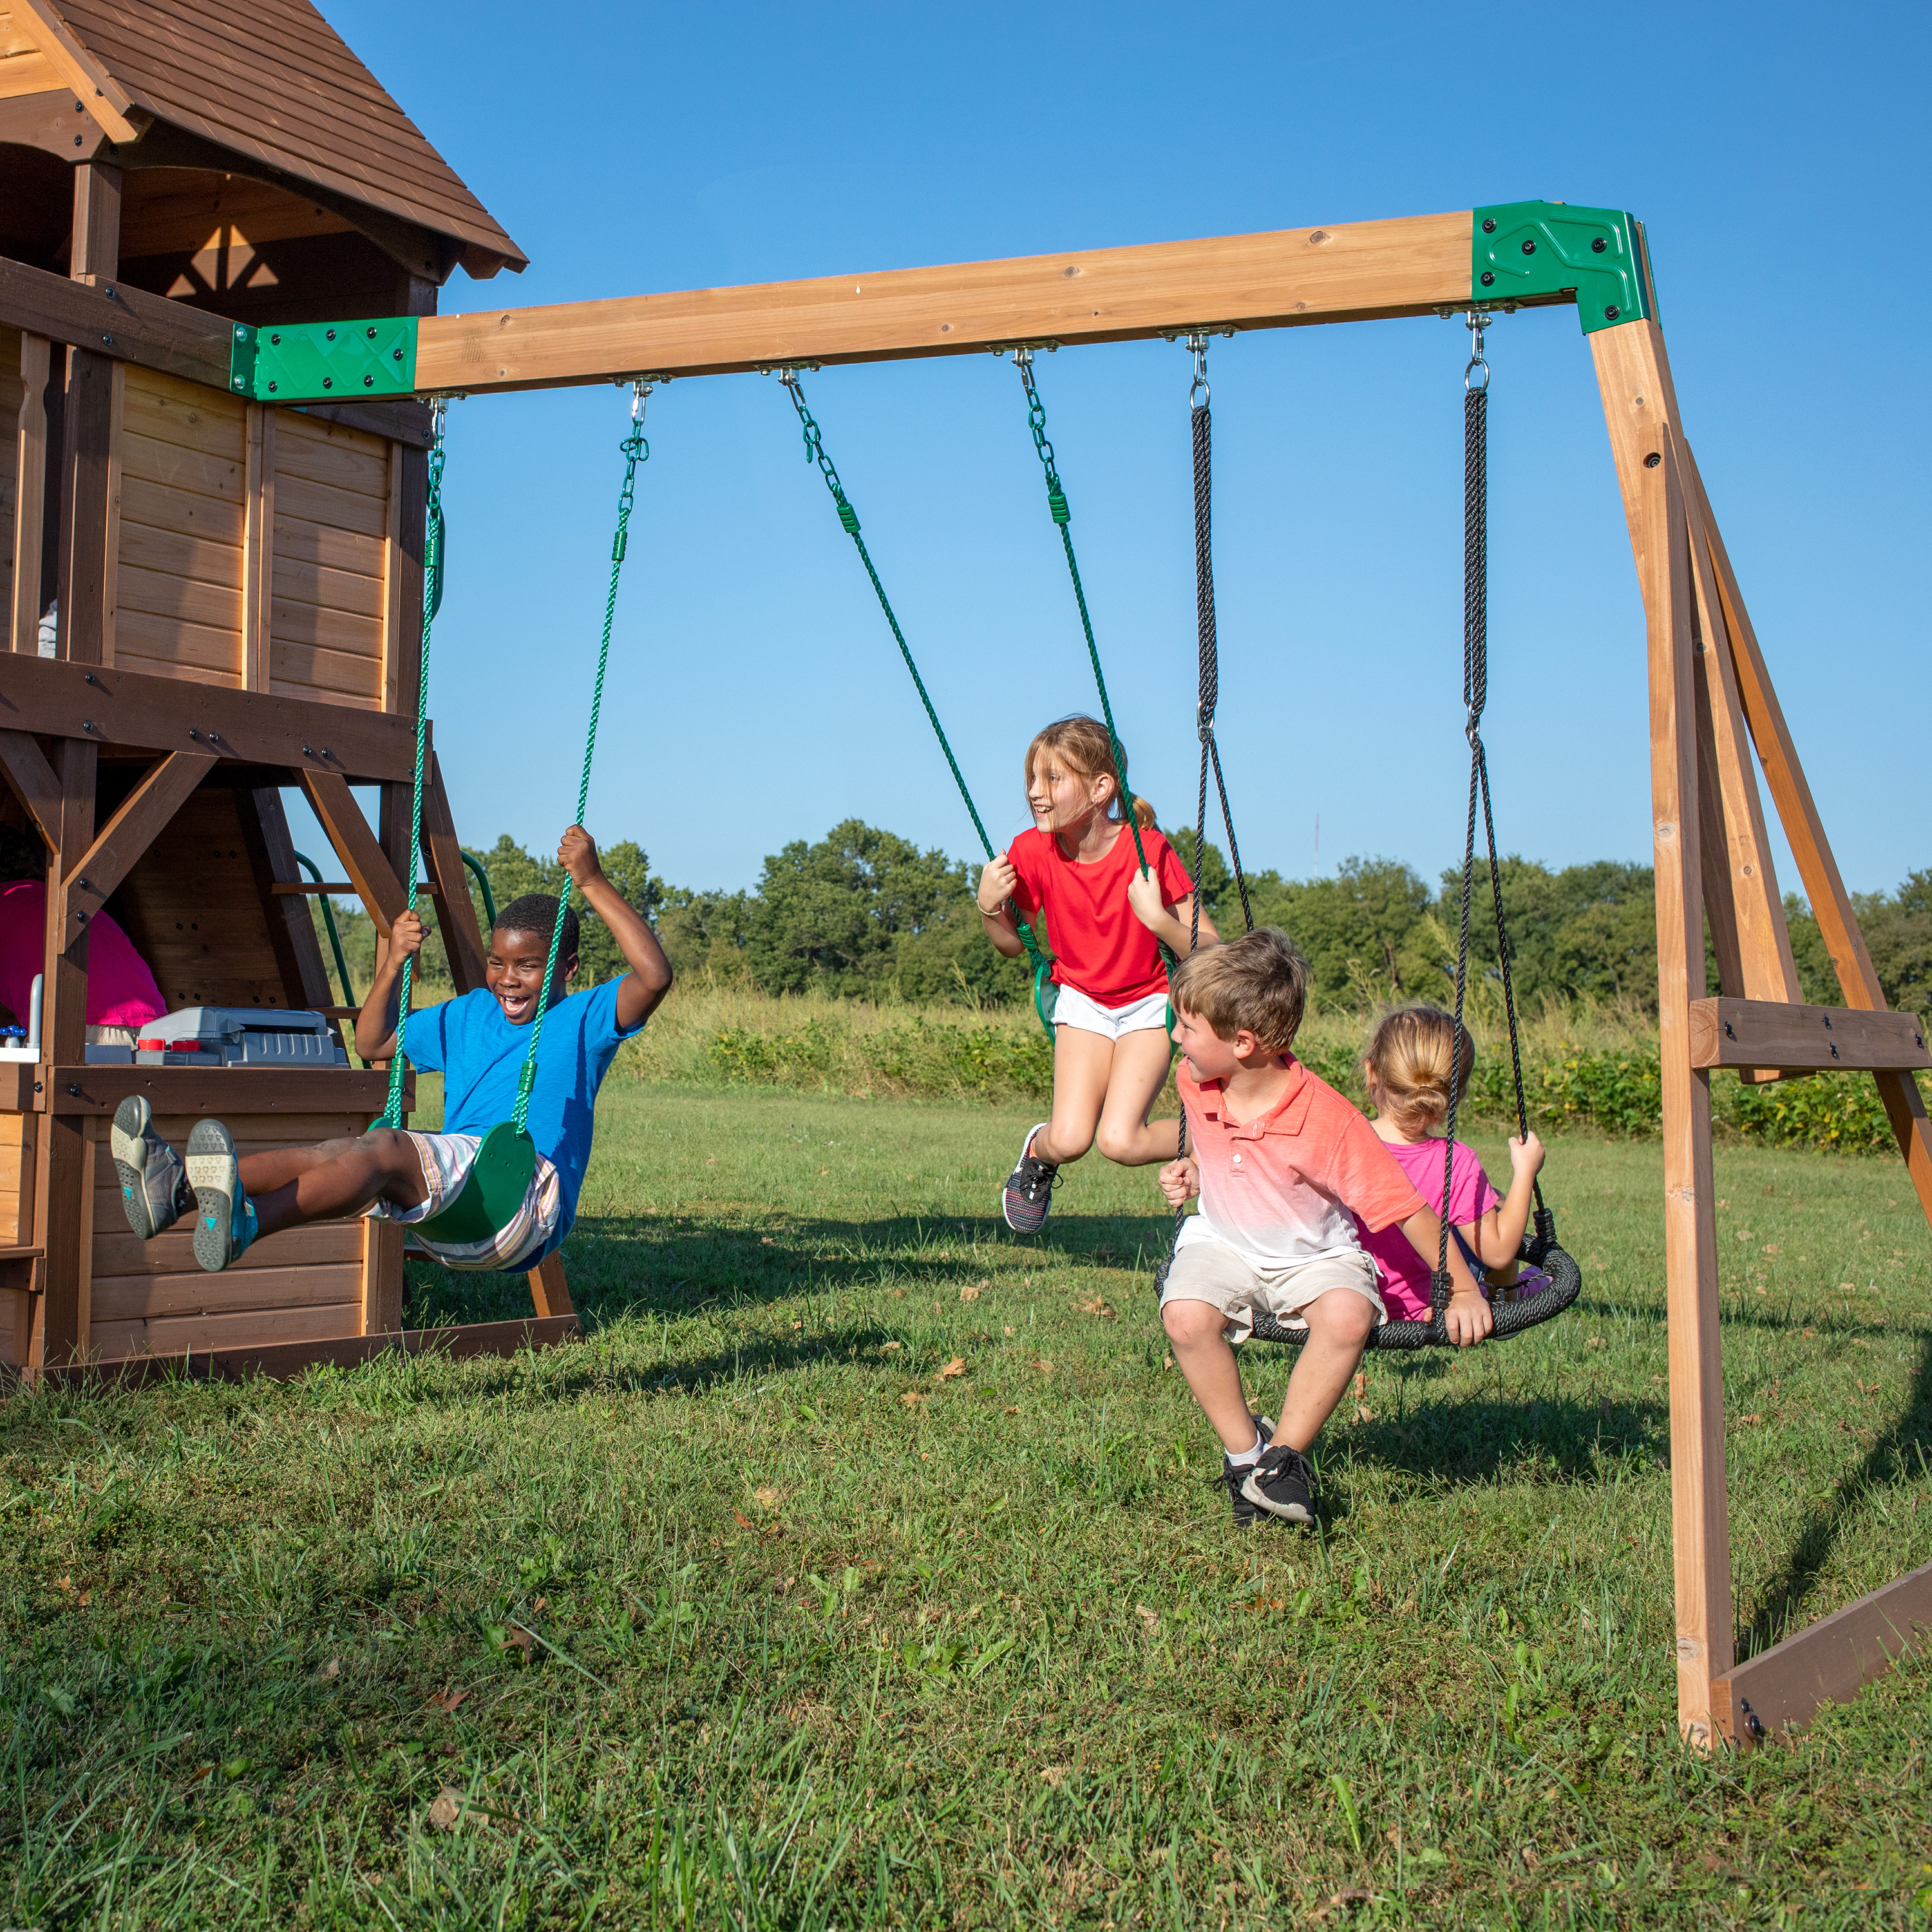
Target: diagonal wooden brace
column 359, row 848
column 140, row 820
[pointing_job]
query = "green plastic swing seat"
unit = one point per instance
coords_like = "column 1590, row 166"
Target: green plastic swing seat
column 500, row 1177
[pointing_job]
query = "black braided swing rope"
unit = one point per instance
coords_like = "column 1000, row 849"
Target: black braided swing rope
column 1540, row 1247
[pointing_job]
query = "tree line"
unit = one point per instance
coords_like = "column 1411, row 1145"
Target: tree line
column 862, row 912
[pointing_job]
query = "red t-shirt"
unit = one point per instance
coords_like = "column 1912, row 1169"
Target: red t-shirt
column 1099, row 947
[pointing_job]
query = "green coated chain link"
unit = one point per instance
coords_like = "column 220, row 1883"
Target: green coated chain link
column 635, row 450
column 1056, row 502
column 848, row 518
column 433, row 545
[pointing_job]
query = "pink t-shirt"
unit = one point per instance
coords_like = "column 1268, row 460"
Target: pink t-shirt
column 121, row 991
column 1405, row 1273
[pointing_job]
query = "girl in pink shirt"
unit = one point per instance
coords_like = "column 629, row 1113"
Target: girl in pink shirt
column 1105, row 919
column 1408, row 1070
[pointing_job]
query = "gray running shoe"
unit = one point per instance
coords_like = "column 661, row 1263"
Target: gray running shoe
column 224, row 1221
column 1029, row 1189
column 1245, row 1511
column 153, row 1184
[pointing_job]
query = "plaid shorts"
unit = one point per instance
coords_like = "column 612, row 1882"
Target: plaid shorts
column 446, row 1161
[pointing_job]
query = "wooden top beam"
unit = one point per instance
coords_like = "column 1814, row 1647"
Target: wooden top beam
column 1351, row 272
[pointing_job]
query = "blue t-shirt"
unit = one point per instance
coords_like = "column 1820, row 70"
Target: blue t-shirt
column 481, row 1057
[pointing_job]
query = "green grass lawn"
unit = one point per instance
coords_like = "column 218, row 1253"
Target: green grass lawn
column 866, row 1567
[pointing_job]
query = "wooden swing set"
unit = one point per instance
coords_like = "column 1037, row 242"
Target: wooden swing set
column 220, row 481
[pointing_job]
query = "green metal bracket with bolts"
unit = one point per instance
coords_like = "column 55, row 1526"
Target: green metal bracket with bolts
column 324, row 362
column 1531, row 251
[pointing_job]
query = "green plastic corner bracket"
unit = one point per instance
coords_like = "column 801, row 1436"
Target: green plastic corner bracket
column 1526, row 249
column 324, row 362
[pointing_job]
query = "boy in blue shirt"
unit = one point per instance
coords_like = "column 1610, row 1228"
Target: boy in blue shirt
column 479, row 1043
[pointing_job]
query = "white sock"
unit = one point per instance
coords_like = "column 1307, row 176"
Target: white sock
column 1249, row 1457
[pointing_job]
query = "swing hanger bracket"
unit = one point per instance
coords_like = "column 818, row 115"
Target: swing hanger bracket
column 1540, row 252
column 788, row 372
column 1023, row 353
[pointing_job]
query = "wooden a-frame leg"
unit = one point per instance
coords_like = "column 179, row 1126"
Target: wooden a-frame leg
column 1634, row 380
column 1818, row 870
column 548, row 1292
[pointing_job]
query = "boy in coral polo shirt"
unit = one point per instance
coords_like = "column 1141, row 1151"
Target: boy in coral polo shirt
column 1283, row 1165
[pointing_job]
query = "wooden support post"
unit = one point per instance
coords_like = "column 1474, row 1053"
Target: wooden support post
column 258, row 558
column 34, row 782
column 1633, row 377
column 548, row 1290
column 382, row 1281
column 30, row 494
column 89, row 457
column 381, row 892
column 272, row 854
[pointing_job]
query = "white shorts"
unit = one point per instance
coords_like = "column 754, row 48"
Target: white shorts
column 1073, row 1008
column 1210, row 1271
column 446, row 1161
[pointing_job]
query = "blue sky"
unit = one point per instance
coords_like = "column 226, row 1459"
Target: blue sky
column 1778, row 158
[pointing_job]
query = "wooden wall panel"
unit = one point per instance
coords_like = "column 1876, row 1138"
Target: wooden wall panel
column 151, row 1298
column 12, row 393
column 191, row 908
column 16, row 1180
column 183, row 525
column 326, row 628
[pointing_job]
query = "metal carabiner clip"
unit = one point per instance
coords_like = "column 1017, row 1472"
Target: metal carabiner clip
column 1197, row 391
column 1478, row 323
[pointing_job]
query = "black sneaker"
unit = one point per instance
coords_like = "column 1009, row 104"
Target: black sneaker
column 1245, row 1512
column 1029, row 1191
column 1283, row 1483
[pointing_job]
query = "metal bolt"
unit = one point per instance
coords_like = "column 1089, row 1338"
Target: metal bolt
column 328, row 381
column 76, row 142
column 75, row 1091
column 396, row 355
column 1611, row 312
column 1598, row 245
column 368, row 382
column 1489, row 279
column 325, row 751
column 83, row 885
column 87, row 724
column 372, row 335
column 273, row 387
column 275, row 339
column 1529, row 247
column 307, row 752
column 192, row 732
column 90, row 677
column 240, row 332
column 1730, row 1032
column 107, row 341
column 332, row 335
column 1651, row 461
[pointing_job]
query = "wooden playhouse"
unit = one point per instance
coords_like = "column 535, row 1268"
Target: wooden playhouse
column 207, row 598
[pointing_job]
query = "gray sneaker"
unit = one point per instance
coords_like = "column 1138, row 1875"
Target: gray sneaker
column 224, row 1220
column 153, row 1183
column 1029, row 1189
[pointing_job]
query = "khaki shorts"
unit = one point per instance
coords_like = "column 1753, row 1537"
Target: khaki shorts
column 1211, row 1271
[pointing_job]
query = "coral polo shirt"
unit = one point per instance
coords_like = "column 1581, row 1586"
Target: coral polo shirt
column 1286, row 1187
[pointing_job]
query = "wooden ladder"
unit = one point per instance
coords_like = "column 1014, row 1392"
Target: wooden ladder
column 1708, row 685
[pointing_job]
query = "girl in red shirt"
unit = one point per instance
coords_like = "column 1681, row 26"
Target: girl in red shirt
column 1104, row 916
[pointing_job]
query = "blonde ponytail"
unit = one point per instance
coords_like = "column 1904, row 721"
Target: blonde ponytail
column 1144, row 815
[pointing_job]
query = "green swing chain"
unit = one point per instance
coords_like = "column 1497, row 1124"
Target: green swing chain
column 848, row 517
column 1056, row 502
column 433, row 546
column 636, row 450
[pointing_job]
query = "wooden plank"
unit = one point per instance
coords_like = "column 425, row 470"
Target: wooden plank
column 1631, row 374
column 198, row 1294
column 106, row 100
column 1826, row 1663
column 404, row 420
column 286, row 1359
column 1818, row 869
column 186, row 415
column 126, row 323
column 341, row 633
column 198, row 555
column 393, row 574
column 76, row 1090
column 258, row 566
column 376, row 884
column 87, row 466
column 213, row 605
column 173, row 1335
column 1350, row 272
column 35, row 783
column 318, row 451
column 171, row 647
column 1765, row 1033
column 110, row 546
column 381, row 1309
column 121, row 1255
column 296, row 497
column 549, row 1292
column 304, row 888
column 209, row 519
column 298, row 583
column 301, row 540
column 462, row 937
column 220, row 474
column 30, row 472
column 94, row 876
column 129, row 708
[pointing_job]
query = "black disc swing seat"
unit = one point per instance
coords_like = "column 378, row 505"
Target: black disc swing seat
column 499, row 1181
column 1552, row 1280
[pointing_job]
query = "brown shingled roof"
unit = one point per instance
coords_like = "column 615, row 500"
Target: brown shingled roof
column 271, row 82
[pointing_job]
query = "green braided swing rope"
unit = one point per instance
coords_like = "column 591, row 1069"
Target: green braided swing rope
column 848, row 517
column 1056, row 503
column 433, row 550
column 636, row 450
